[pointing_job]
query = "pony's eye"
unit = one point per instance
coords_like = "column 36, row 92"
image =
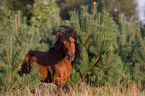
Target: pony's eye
column 64, row 42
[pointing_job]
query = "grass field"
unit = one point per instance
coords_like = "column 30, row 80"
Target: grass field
column 83, row 89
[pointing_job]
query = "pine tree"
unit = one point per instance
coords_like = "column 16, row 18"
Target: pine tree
column 129, row 41
column 45, row 15
column 139, row 66
column 117, row 7
column 5, row 15
column 97, row 35
column 68, row 5
column 15, row 42
column 44, row 12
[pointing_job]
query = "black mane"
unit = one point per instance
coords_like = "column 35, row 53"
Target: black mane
column 68, row 32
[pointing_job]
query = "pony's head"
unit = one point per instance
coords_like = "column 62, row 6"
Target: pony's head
column 70, row 48
column 68, row 40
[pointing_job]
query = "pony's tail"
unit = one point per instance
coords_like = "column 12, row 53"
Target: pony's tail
column 31, row 60
column 26, row 65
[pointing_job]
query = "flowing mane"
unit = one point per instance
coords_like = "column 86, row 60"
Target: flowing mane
column 68, row 32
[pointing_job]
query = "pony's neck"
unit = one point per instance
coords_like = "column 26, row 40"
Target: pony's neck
column 60, row 52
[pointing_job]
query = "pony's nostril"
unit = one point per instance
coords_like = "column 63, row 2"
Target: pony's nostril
column 68, row 55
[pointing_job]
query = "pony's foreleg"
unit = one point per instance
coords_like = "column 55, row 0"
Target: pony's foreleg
column 66, row 89
column 65, row 78
column 61, row 83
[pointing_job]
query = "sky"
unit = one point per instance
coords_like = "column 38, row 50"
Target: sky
column 141, row 8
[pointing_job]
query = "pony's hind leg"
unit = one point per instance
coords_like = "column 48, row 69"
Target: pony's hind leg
column 43, row 71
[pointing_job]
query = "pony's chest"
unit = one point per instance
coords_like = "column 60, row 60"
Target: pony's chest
column 64, row 65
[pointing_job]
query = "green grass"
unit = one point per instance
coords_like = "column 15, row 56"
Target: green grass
column 82, row 89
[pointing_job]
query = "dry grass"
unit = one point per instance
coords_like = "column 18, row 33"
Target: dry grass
column 83, row 89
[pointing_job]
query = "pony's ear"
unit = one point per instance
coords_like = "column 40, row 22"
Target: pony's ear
column 67, row 28
column 60, row 33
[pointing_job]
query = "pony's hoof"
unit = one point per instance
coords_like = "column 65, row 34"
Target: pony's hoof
column 33, row 91
column 66, row 89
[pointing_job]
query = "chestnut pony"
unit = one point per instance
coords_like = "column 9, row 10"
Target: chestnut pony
column 55, row 64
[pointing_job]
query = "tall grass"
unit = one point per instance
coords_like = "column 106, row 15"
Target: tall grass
column 83, row 89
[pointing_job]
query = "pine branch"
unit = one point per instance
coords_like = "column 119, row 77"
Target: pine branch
column 16, row 25
column 6, row 50
column 2, row 65
column 19, row 57
column 94, row 63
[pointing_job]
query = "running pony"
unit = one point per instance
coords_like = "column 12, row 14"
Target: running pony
column 55, row 64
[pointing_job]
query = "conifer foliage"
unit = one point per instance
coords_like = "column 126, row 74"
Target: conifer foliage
column 97, row 33
column 15, row 42
column 139, row 66
column 45, row 11
column 131, row 50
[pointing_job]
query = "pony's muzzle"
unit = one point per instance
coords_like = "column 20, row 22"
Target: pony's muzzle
column 70, row 56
